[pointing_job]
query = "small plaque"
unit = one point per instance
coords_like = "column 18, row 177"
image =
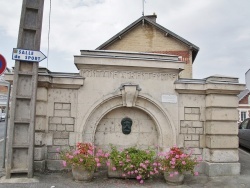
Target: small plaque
column 169, row 98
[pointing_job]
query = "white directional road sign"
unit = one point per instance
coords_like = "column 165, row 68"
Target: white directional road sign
column 27, row 55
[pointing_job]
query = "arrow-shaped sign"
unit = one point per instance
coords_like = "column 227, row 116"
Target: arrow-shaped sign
column 27, row 55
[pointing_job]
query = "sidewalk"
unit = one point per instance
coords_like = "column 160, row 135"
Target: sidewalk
column 64, row 180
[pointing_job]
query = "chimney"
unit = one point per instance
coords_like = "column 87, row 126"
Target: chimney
column 152, row 17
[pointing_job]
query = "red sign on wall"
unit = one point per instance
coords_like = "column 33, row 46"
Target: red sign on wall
column 3, row 64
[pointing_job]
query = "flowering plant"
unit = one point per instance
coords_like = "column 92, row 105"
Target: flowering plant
column 176, row 161
column 84, row 156
column 134, row 162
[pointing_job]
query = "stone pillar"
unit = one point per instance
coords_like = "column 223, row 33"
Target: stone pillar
column 219, row 115
column 221, row 130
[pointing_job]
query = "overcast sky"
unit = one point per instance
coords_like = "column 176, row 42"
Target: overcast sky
column 220, row 28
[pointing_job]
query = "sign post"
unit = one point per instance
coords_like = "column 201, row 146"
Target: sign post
column 21, row 141
column 27, row 55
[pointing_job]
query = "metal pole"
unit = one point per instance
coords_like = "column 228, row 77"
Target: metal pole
column 6, row 122
column 143, row 7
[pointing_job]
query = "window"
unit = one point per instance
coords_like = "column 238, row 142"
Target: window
column 243, row 116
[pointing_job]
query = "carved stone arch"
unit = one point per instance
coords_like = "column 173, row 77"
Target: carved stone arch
column 161, row 118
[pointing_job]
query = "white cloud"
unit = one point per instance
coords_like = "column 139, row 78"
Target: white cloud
column 220, row 28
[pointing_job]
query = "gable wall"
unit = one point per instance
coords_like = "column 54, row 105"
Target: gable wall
column 146, row 38
column 245, row 99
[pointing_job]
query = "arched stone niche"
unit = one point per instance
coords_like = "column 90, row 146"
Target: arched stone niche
column 145, row 106
column 143, row 130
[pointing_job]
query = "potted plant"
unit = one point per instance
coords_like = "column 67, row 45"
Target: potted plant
column 132, row 163
column 83, row 160
column 175, row 163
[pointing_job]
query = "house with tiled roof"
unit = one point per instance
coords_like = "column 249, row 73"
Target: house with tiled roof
column 244, row 100
column 145, row 35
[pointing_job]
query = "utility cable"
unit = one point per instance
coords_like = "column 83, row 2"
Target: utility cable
column 48, row 35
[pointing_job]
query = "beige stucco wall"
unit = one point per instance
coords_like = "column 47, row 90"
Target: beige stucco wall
column 147, row 38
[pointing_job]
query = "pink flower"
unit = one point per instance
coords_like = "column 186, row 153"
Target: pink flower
column 128, row 173
column 151, row 172
column 138, row 177
column 97, row 160
column 171, row 175
column 58, row 149
column 131, row 166
column 108, row 163
column 123, row 175
column 172, row 162
column 196, row 173
column 176, row 172
column 106, row 154
column 81, row 160
column 114, row 169
column 146, row 161
column 90, row 152
column 132, row 172
column 98, row 164
column 147, row 151
column 183, row 162
column 154, row 164
column 76, row 152
column 141, row 181
column 183, row 155
column 177, row 156
column 136, row 171
column 64, row 163
column 70, row 157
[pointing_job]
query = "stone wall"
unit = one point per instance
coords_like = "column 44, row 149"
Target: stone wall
column 199, row 114
column 61, row 125
column 208, row 112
